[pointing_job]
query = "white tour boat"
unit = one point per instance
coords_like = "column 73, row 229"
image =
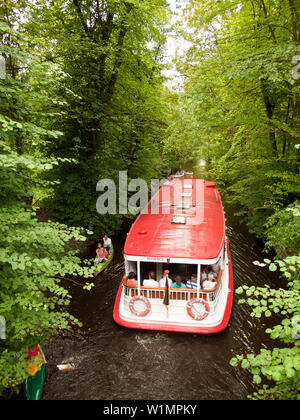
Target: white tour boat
column 180, row 232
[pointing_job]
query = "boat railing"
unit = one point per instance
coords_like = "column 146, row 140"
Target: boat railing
column 211, row 296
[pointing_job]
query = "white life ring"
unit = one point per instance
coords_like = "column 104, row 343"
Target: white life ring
column 194, row 312
column 140, row 299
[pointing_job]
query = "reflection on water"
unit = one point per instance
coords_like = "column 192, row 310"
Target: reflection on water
column 116, row 363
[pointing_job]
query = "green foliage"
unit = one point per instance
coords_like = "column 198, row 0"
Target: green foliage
column 240, row 104
column 279, row 365
column 266, row 301
column 181, row 144
column 283, row 230
column 106, row 61
column 34, row 257
column 23, row 103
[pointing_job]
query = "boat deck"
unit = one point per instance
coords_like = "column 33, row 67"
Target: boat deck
column 176, row 318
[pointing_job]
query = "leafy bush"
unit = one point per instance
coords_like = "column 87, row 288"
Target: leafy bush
column 283, row 231
column 34, row 256
column 281, row 365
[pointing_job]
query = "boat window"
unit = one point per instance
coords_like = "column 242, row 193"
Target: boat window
column 146, row 268
column 183, row 206
column 178, row 220
column 184, row 270
column 186, row 194
column 130, row 266
column 188, row 186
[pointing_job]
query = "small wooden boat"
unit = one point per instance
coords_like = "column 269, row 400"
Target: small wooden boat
column 103, row 265
column 33, row 385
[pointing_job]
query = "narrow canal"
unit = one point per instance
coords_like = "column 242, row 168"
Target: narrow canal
column 116, row 363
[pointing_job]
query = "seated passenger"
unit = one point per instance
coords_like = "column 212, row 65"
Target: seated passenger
column 162, row 281
column 203, row 274
column 178, row 283
column 216, row 267
column 210, row 283
column 150, row 281
column 35, row 359
column 131, row 280
column 192, row 284
column 211, row 270
column 101, row 254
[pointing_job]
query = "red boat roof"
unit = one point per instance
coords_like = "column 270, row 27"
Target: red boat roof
column 202, row 234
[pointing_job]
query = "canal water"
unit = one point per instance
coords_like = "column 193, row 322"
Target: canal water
column 114, row 363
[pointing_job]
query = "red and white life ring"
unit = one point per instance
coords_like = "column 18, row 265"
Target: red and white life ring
column 141, row 299
column 195, row 314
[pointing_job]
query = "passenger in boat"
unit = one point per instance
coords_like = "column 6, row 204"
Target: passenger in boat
column 216, row 268
column 212, row 270
column 210, row 283
column 107, row 244
column 131, row 280
column 35, row 359
column 178, row 283
column 150, row 280
column 192, row 284
column 101, row 254
column 203, row 274
column 162, row 281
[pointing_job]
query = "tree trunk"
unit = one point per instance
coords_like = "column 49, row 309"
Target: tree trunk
column 269, row 111
column 295, row 21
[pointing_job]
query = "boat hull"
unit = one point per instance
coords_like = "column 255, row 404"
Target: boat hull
column 33, row 385
column 198, row 327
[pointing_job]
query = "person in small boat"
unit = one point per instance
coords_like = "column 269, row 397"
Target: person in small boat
column 35, row 359
column 178, row 283
column 162, row 281
column 107, row 244
column 150, row 280
column 209, row 283
column 192, row 284
column 101, row 254
column 131, row 280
